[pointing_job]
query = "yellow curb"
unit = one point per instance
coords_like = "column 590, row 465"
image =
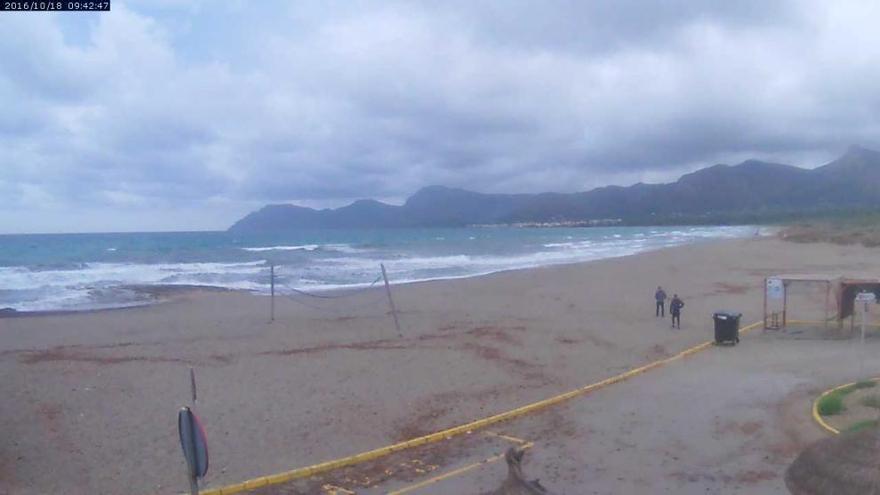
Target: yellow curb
column 818, row 417
column 308, row 471
column 820, row 322
column 455, row 472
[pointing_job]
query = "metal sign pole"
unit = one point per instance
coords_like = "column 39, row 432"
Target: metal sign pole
column 193, row 479
column 193, row 485
column 193, row 476
column 194, row 445
column 864, row 298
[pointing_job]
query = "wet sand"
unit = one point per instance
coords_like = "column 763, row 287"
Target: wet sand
column 93, row 396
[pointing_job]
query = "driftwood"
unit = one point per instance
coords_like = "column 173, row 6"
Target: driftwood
column 516, row 482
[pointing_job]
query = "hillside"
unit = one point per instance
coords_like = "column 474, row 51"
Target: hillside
column 748, row 192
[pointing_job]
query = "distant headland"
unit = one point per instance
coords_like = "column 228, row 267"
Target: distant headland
column 750, row 192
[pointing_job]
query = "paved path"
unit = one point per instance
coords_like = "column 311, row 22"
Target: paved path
column 728, row 420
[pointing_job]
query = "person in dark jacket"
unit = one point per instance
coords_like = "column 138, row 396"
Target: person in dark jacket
column 660, row 298
column 675, row 310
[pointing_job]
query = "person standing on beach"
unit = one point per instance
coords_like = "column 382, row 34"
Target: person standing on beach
column 675, row 310
column 660, row 297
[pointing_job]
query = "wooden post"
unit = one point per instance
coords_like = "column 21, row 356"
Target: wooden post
column 390, row 300
column 272, row 292
column 765, row 303
column 784, row 303
column 862, row 347
column 827, row 295
column 192, row 382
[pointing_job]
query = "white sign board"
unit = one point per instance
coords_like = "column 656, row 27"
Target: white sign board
column 865, row 297
column 775, row 288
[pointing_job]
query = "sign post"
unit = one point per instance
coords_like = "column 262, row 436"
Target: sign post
column 775, row 288
column 194, row 443
column 864, row 298
column 774, row 293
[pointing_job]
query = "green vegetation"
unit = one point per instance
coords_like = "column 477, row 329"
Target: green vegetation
column 843, row 228
column 862, row 425
column 831, row 404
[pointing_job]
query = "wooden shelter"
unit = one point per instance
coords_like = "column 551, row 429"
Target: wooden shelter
column 849, row 288
column 772, row 319
column 839, row 292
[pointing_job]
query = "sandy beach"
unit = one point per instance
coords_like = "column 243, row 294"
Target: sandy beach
column 90, row 399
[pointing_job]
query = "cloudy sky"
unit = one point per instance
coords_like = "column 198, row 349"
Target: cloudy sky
column 185, row 115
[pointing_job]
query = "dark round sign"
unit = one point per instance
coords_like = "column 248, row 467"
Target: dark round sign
column 193, row 441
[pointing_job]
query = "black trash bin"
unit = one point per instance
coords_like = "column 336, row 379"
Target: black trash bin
column 726, row 327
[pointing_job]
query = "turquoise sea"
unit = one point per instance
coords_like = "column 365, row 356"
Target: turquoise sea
column 90, row 271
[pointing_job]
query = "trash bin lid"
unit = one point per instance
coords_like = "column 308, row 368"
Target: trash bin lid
column 724, row 314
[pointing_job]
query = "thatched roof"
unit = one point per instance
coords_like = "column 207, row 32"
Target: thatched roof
column 846, row 464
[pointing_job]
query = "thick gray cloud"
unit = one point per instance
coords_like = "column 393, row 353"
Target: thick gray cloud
column 185, row 115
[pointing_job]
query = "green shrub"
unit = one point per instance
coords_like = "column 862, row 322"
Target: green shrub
column 831, row 404
column 862, row 425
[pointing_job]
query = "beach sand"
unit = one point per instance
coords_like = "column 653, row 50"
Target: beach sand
column 90, row 400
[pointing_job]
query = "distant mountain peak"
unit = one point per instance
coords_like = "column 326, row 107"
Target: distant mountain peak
column 856, row 158
column 748, row 191
column 860, row 152
column 754, row 162
column 437, row 188
column 367, row 202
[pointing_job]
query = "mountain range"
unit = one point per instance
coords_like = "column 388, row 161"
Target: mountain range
column 748, row 192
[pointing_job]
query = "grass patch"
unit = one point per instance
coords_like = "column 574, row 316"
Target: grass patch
column 871, row 401
column 841, row 227
column 831, row 404
column 862, row 425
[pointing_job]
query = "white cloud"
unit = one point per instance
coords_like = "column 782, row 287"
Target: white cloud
column 173, row 105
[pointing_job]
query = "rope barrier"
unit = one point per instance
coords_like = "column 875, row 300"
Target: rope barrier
column 345, row 308
column 349, row 293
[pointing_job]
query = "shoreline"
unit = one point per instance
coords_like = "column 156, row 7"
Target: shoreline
column 162, row 293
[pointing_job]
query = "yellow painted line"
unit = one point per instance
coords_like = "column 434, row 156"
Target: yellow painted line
column 316, row 469
column 818, row 417
column 454, row 472
column 509, row 438
column 820, row 322
column 336, row 490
